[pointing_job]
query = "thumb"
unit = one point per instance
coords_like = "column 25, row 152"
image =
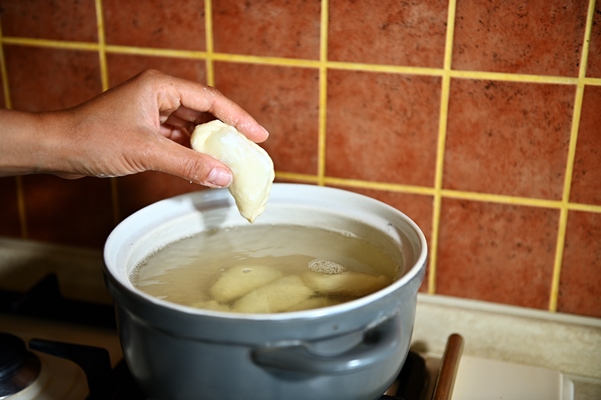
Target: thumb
column 191, row 165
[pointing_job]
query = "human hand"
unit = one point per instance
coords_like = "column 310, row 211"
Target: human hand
column 143, row 124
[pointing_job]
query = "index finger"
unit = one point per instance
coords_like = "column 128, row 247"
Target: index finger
column 199, row 97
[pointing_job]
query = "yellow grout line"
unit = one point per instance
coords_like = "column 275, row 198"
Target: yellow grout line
column 323, row 93
column 152, row 51
column 442, row 132
column 391, row 187
column 448, row 49
column 300, row 63
column 59, row 44
column 295, row 177
column 104, row 79
column 4, row 76
column 385, row 68
column 501, row 76
column 563, row 216
column 278, row 61
column 501, row 199
column 587, row 39
column 209, row 54
column 437, row 204
column 591, row 208
column 322, row 125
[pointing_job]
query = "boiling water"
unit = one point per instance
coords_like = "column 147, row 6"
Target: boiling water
column 187, row 271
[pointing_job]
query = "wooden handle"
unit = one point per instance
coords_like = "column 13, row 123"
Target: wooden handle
column 448, row 370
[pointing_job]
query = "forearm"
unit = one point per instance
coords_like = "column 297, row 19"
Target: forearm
column 19, row 149
column 28, row 142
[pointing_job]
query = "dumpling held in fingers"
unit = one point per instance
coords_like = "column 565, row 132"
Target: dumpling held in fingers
column 251, row 166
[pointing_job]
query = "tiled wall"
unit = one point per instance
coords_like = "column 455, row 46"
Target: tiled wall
column 479, row 119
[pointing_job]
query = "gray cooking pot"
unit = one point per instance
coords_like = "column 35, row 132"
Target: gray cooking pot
column 348, row 351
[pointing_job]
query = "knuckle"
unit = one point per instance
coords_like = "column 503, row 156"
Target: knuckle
column 195, row 170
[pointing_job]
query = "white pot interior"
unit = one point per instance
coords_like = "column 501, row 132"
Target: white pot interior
column 169, row 220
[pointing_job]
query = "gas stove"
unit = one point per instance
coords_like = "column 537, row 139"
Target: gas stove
column 510, row 353
column 52, row 347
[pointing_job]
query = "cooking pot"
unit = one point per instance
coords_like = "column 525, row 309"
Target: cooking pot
column 352, row 350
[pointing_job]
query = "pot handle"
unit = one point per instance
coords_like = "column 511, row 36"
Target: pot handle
column 377, row 345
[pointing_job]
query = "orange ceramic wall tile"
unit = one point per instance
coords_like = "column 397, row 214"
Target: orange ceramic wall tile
column 75, row 212
column 43, row 79
column 538, row 37
column 496, row 252
column 139, row 190
column 382, row 127
column 55, row 20
column 388, row 32
column 416, row 206
column 271, row 28
column 123, row 66
column 586, row 180
column 508, row 138
column 580, row 279
column 283, row 99
column 155, row 23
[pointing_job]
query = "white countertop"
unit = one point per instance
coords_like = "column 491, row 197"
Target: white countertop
column 567, row 343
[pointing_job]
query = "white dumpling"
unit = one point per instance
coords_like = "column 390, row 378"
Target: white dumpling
column 276, row 296
column 351, row 283
column 241, row 279
column 251, row 166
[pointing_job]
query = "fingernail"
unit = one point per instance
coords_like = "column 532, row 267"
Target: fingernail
column 219, row 177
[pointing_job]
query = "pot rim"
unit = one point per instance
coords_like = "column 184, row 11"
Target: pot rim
column 189, row 200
